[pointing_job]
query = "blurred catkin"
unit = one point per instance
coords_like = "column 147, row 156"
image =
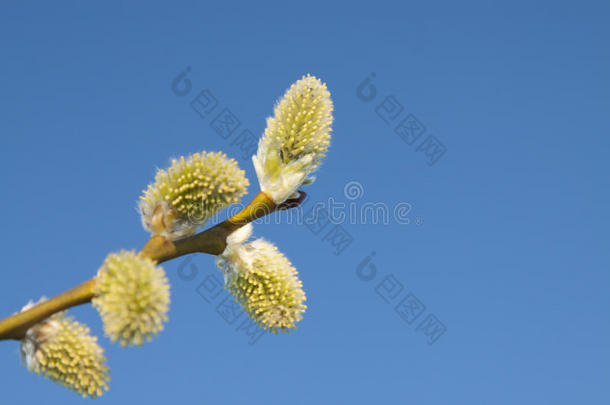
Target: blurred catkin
column 132, row 297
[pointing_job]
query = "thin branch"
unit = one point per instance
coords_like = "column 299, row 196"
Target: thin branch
column 159, row 249
column 15, row 326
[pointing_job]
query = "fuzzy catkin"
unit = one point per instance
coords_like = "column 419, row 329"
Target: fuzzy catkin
column 296, row 139
column 62, row 350
column 265, row 283
column 190, row 192
column 132, row 297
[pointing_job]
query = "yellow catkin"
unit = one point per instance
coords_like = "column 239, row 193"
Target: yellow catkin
column 190, row 192
column 132, row 297
column 296, row 139
column 265, row 283
column 62, row 350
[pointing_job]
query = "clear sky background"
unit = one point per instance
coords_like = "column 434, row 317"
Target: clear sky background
column 507, row 241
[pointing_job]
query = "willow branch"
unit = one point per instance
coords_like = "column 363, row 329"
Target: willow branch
column 159, row 249
column 15, row 326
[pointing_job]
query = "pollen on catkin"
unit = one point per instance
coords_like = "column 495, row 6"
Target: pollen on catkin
column 295, row 140
column 132, row 297
column 265, row 283
column 190, row 192
column 62, row 350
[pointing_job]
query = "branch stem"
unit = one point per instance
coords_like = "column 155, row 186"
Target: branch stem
column 159, row 249
column 15, row 326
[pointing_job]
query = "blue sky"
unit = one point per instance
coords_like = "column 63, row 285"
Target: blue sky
column 505, row 253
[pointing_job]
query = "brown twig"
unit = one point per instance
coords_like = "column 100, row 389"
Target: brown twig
column 159, row 249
